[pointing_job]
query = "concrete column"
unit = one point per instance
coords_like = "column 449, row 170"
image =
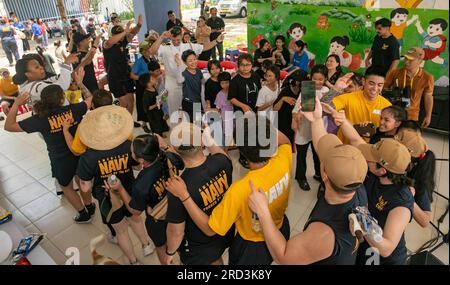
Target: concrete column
column 154, row 14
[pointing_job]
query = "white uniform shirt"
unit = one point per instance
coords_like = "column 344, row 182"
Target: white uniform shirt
column 168, row 52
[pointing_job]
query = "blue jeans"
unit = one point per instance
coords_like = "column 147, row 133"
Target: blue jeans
column 45, row 40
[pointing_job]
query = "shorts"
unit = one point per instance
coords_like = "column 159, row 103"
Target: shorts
column 117, row 216
column 244, row 252
column 64, row 169
column 205, row 254
column 120, row 88
column 156, row 230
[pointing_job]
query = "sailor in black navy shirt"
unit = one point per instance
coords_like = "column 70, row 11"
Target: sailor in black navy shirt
column 326, row 238
column 390, row 200
column 159, row 162
column 48, row 118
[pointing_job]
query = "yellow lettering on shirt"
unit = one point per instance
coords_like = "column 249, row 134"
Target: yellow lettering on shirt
column 56, row 121
column 53, row 123
column 206, row 196
column 381, row 203
column 113, row 165
column 159, row 187
column 212, row 192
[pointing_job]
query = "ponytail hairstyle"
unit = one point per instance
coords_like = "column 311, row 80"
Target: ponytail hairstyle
column 146, row 147
column 52, row 97
column 423, row 173
column 343, row 41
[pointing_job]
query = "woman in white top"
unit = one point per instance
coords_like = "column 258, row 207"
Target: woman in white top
column 32, row 78
column 60, row 52
column 302, row 127
column 269, row 92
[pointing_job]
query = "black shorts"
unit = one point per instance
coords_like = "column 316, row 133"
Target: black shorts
column 156, row 231
column 64, row 169
column 117, row 216
column 205, row 254
column 120, row 87
column 244, row 252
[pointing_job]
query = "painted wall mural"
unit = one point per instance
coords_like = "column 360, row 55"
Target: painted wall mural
column 347, row 28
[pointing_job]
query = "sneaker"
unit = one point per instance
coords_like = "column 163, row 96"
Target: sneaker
column 91, row 209
column 317, row 178
column 137, row 125
column 146, row 129
column 110, row 238
column 148, row 249
column 304, row 185
column 82, row 217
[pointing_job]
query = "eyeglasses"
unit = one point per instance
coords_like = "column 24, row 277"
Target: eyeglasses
column 246, row 64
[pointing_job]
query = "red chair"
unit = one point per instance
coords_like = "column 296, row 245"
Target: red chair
column 228, row 65
column 99, row 67
column 22, row 109
column 202, row 64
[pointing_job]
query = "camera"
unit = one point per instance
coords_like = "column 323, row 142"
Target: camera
column 399, row 96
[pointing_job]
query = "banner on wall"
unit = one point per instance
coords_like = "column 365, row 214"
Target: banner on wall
column 347, row 28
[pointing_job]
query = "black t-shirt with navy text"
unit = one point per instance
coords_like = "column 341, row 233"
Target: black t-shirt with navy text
column 99, row 165
column 149, row 189
column 51, row 129
column 206, row 184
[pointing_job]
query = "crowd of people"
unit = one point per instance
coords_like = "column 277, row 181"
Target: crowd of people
column 366, row 151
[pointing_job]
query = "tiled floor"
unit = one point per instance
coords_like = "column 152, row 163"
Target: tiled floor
column 28, row 191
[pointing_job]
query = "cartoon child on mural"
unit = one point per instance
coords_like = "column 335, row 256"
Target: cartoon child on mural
column 433, row 40
column 338, row 45
column 296, row 31
column 399, row 19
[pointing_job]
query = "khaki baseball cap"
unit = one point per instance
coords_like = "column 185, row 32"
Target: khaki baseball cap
column 413, row 141
column 144, row 45
column 389, row 153
column 415, row 53
column 344, row 164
